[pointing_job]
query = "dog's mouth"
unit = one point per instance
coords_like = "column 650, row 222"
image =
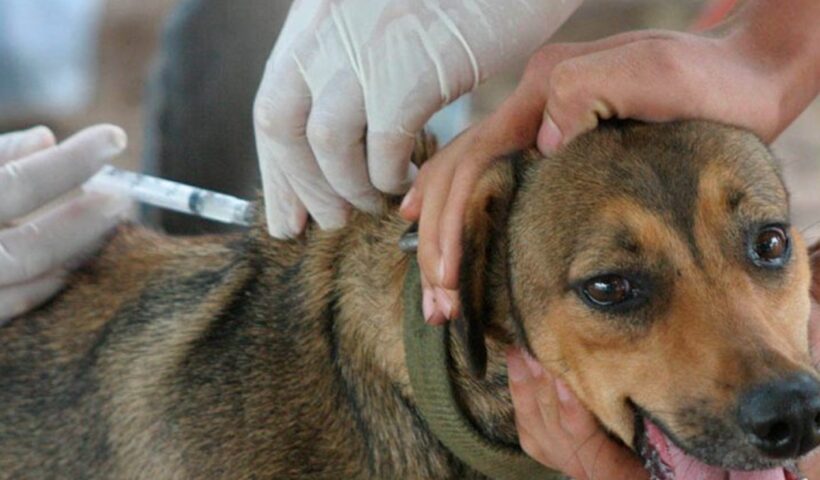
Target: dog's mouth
column 667, row 461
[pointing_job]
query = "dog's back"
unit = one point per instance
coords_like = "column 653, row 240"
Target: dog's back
column 149, row 366
column 219, row 357
column 85, row 380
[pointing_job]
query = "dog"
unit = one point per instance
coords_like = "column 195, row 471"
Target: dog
column 651, row 266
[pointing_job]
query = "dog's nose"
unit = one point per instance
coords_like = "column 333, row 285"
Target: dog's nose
column 782, row 417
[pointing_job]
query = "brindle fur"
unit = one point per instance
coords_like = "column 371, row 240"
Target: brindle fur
column 248, row 357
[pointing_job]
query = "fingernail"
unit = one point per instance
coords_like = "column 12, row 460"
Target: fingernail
column 296, row 222
column 277, row 232
column 516, row 369
column 409, row 198
column 549, row 136
column 333, row 219
column 41, row 136
column 370, row 203
column 535, row 367
column 444, row 303
column 120, row 138
column 428, row 304
column 565, row 396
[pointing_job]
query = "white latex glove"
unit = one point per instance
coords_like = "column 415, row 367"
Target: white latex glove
column 351, row 82
column 36, row 252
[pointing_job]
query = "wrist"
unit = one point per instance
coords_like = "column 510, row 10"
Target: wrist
column 779, row 45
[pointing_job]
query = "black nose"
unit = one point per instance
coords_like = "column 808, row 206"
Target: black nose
column 782, row 417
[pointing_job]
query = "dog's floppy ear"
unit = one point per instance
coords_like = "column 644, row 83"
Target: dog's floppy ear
column 485, row 235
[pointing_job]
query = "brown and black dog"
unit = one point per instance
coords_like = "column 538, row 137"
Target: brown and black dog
column 652, row 266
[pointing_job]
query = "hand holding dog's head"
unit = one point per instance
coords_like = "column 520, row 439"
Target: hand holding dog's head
column 654, row 267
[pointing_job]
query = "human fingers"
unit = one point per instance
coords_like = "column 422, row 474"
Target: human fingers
column 18, row 299
column 434, row 187
column 594, row 452
column 432, row 298
column 15, row 145
column 433, row 311
column 291, row 178
column 32, row 181
column 558, row 431
column 335, row 131
column 52, row 239
column 810, row 465
column 524, row 389
column 513, row 126
column 662, row 77
column 536, row 406
column 390, row 143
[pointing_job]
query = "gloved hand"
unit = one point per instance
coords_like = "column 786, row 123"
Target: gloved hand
column 351, row 82
column 36, row 252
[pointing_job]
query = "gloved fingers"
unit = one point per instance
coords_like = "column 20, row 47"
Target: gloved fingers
column 30, row 182
column 58, row 236
column 302, row 173
column 285, row 157
column 392, row 137
column 18, row 299
column 388, row 160
column 335, row 131
column 285, row 213
column 16, row 145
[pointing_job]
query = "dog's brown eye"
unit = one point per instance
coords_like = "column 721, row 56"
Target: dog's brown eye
column 771, row 247
column 608, row 290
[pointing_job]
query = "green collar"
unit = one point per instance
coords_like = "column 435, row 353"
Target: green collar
column 426, row 352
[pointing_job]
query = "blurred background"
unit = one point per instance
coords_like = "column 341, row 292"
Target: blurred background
column 179, row 76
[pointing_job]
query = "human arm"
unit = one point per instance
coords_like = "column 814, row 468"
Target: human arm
column 759, row 72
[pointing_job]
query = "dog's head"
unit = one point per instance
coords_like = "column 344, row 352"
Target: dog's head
column 653, row 267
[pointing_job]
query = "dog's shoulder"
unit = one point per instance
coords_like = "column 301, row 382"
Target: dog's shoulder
column 137, row 270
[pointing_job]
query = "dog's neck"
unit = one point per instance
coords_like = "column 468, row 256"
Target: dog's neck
column 366, row 270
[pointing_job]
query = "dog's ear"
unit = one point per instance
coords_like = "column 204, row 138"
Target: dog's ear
column 485, row 236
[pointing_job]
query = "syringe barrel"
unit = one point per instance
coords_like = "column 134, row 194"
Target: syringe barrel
column 170, row 195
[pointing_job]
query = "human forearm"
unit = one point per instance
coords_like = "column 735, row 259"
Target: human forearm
column 782, row 40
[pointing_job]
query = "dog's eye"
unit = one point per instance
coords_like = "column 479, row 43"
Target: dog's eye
column 608, row 290
column 770, row 247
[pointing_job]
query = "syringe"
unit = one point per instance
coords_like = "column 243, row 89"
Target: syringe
column 172, row 195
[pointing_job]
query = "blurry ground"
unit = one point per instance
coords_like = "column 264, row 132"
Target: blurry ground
column 131, row 31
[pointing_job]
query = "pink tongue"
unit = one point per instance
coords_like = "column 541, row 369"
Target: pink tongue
column 686, row 467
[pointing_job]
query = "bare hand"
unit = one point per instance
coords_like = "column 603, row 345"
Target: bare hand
column 648, row 75
column 555, row 429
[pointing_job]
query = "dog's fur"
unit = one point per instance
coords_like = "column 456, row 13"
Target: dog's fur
column 248, row 357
